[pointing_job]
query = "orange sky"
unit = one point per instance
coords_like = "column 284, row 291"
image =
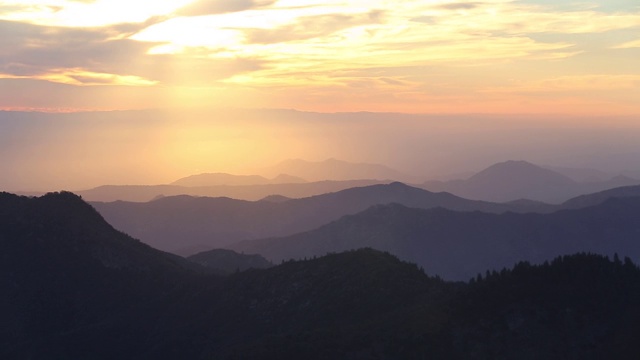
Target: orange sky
column 415, row 56
column 560, row 78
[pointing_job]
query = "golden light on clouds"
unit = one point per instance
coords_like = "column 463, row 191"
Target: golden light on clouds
column 86, row 78
column 325, row 55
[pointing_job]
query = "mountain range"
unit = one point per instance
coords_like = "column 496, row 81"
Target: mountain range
column 514, row 180
column 501, row 182
column 457, row 245
column 142, row 193
column 74, row 288
column 334, row 169
column 182, row 223
column 216, row 179
column 325, row 176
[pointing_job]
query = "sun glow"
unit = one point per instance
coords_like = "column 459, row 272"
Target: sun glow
column 321, row 55
column 87, row 13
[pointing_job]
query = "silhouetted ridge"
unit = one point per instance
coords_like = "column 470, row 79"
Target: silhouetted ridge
column 522, row 170
column 275, row 198
column 227, row 261
column 599, row 197
column 334, row 289
column 182, row 222
column 57, row 303
column 63, row 222
column 456, row 245
column 578, row 306
column 515, row 180
column 70, row 282
column 333, row 169
column 294, row 188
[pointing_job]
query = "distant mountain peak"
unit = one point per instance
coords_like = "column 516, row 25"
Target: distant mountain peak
column 511, row 180
column 335, row 169
column 217, row 178
column 287, row 179
column 275, row 199
column 515, row 165
column 520, row 169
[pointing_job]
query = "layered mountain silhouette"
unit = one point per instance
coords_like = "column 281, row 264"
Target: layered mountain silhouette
column 514, row 180
column 457, row 245
column 142, row 193
column 502, row 182
column 600, row 197
column 582, row 174
column 182, row 222
column 334, row 169
column 74, row 288
column 216, row 179
column 275, row 198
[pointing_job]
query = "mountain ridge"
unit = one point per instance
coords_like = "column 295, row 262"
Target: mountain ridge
column 362, row 304
column 218, row 179
column 516, row 180
column 334, row 169
column 143, row 193
column 456, row 245
column 218, row 222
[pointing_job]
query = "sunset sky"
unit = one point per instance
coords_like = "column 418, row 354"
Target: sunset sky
column 414, row 56
column 237, row 85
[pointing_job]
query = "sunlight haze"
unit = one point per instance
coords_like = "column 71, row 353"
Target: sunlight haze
column 138, row 92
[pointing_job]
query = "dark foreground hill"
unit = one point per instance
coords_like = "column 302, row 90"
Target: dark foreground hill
column 70, row 281
column 183, row 222
column 63, row 300
column 457, row 245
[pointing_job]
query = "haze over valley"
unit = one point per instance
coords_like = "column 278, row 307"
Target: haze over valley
column 161, row 147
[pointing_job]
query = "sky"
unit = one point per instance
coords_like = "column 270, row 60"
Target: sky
column 99, row 92
column 76, row 151
column 407, row 56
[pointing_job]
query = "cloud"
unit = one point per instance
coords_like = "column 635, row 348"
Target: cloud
column 210, row 7
column 13, row 9
column 400, row 49
column 310, row 27
column 40, row 48
column 126, row 30
column 576, row 83
column 99, row 56
column 628, row 45
column 459, row 6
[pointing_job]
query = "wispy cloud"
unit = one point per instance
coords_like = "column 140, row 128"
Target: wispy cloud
column 101, row 56
column 327, row 47
column 628, row 45
column 311, row 27
column 579, row 83
column 209, row 7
